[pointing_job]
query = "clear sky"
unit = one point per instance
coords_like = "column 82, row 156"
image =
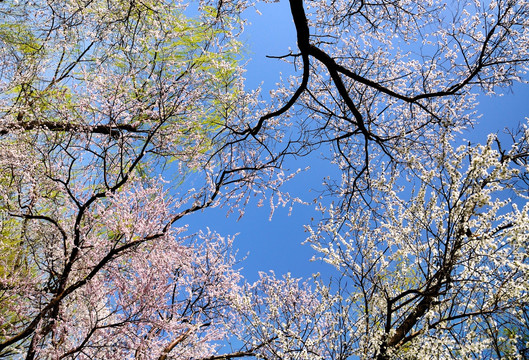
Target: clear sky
column 276, row 244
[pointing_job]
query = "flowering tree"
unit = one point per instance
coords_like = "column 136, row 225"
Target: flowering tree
column 388, row 77
column 100, row 99
column 119, row 118
column 433, row 268
column 437, row 267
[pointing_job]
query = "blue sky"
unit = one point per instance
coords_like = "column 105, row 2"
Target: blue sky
column 276, row 244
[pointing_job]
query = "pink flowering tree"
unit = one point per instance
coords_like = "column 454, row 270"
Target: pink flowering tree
column 106, row 109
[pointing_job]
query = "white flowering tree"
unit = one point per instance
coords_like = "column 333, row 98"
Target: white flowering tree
column 383, row 78
column 436, row 266
column 430, row 241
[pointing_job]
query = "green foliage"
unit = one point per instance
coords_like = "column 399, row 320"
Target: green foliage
column 19, row 38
